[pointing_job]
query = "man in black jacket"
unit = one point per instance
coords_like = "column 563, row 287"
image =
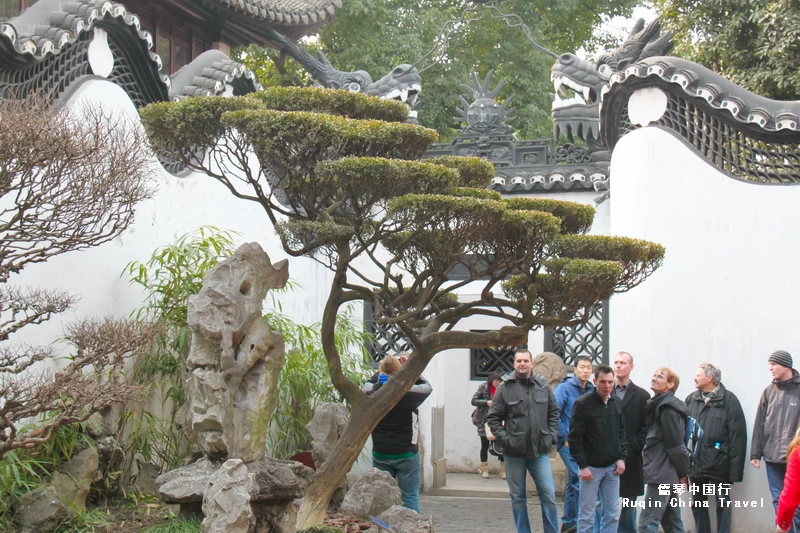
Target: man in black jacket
column 394, row 439
column 665, row 457
column 634, row 404
column 598, row 444
column 524, row 420
column 719, row 455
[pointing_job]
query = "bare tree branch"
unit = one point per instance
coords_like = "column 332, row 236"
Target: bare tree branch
column 66, row 182
column 90, row 382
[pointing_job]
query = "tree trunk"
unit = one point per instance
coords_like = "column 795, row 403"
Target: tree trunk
column 334, row 470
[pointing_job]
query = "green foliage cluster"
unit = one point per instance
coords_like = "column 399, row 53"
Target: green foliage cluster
column 305, row 382
column 196, row 123
column 575, row 218
column 172, row 274
column 473, row 171
column 755, row 43
column 302, row 138
column 342, row 103
column 23, row 471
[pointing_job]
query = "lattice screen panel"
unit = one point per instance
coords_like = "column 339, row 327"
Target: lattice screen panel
column 589, row 339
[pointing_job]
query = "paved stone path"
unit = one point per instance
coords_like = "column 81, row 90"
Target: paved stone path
column 477, row 515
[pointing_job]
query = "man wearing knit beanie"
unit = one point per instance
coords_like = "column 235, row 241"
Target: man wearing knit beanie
column 772, row 432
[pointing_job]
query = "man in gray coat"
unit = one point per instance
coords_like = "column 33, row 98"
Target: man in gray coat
column 524, row 420
column 776, row 423
column 665, row 457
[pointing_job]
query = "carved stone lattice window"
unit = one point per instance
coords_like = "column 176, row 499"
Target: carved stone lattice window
column 384, row 339
column 484, row 361
column 589, row 339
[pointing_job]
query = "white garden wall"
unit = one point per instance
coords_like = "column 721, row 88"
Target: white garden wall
column 727, row 292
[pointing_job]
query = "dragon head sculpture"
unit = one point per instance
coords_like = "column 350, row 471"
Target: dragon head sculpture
column 578, row 83
column 403, row 83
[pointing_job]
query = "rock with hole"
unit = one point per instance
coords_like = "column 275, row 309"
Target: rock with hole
column 235, row 359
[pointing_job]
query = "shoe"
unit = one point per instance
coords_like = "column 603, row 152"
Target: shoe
column 484, row 470
column 568, row 529
column 502, row 470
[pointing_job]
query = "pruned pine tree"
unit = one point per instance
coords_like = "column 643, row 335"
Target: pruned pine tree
column 339, row 176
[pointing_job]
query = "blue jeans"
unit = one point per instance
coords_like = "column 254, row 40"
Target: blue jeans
column 406, row 472
column 571, row 492
column 605, row 485
column 658, row 510
column 542, row 475
column 627, row 520
column 775, row 474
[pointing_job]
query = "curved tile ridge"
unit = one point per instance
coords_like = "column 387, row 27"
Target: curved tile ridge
column 49, row 26
column 287, row 12
column 720, row 93
column 210, row 75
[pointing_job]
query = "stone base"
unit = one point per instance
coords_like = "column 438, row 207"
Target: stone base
column 275, row 517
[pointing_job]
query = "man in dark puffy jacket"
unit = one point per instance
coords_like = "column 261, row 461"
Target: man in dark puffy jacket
column 776, row 422
column 665, row 457
column 394, row 439
column 719, row 455
column 524, row 419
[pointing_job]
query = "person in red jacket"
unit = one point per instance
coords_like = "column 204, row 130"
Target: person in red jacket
column 790, row 497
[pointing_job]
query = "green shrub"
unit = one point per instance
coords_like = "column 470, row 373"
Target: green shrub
column 305, row 381
column 172, row 274
column 344, row 103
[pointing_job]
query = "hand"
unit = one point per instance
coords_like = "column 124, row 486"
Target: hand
column 491, row 437
column 489, row 403
column 620, row 468
column 779, row 530
column 756, row 462
column 566, row 443
column 586, row 474
column 683, row 481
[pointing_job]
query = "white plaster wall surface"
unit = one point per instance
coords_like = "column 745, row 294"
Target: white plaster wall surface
column 181, row 205
column 727, row 292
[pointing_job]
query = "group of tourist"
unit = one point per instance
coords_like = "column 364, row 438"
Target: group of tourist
column 619, row 443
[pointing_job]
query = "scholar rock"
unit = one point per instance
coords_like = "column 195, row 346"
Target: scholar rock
column 550, row 366
column 402, row 519
column 187, row 484
column 235, row 359
column 226, row 503
column 325, row 428
column 45, row 508
column 279, row 481
column 373, row 494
